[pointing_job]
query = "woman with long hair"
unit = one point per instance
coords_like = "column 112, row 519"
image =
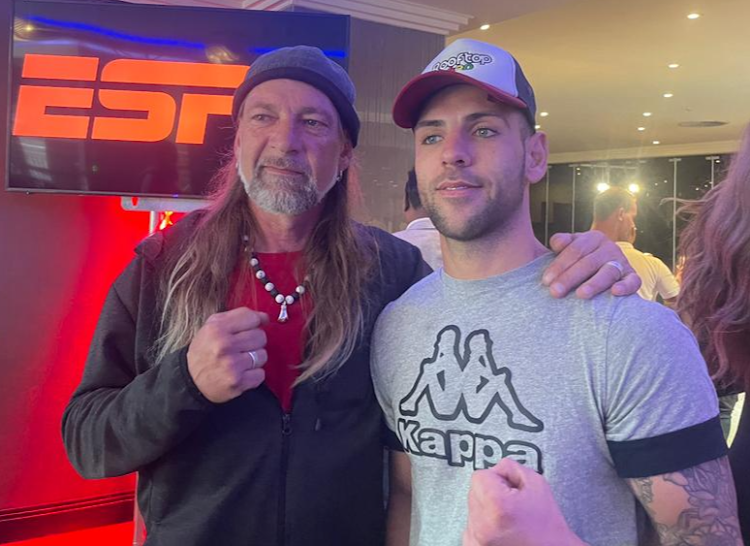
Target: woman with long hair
column 715, row 297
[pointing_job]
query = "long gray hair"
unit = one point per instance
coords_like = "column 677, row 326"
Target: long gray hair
column 339, row 258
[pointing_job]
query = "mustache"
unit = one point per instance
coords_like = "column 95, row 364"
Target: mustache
column 284, row 163
column 452, row 176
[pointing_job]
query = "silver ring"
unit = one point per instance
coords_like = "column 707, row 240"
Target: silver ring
column 251, row 354
column 617, row 265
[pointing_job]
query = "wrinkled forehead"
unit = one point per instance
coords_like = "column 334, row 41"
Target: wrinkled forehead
column 296, row 96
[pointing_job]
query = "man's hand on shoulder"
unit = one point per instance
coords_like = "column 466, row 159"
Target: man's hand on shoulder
column 587, row 262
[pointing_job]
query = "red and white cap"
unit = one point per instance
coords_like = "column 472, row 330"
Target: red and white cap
column 467, row 62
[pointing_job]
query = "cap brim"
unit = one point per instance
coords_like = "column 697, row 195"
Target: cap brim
column 412, row 97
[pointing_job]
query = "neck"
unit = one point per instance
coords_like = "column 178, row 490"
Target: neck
column 608, row 229
column 493, row 254
column 283, row 233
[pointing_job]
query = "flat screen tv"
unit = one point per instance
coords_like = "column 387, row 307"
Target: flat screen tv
column 134, row 100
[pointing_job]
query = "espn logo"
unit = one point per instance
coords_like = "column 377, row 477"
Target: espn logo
column 158, row 109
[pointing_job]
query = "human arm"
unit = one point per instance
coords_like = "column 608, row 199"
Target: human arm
column 128, row 411
column 666, row 283
column 696, row 506
column 662, row 427
column 581, row 264
column 398, row 524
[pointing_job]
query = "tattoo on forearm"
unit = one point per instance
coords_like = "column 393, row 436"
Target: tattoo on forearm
column 711, row 518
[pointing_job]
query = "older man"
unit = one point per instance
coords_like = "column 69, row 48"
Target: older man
column 230, row 365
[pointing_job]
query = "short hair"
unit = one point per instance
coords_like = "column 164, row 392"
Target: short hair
column 609, row 201
column 411, row 193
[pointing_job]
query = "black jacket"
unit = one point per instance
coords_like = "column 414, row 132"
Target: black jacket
column 240, row 473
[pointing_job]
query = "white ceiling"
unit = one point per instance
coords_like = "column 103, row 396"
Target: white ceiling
column 597, row 65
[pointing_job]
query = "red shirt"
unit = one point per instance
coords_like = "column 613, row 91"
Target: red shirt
column 286, row 341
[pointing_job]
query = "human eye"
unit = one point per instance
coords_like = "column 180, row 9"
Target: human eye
column 485, row 132
column 431, row 139
column 261, row 117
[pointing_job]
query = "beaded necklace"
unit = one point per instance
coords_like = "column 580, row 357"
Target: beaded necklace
column 278, row 297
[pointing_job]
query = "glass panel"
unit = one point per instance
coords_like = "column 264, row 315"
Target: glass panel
column 654, row 220
column 560, row 199
column 538, row 204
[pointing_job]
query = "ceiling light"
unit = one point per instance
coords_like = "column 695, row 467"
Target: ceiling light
column 544, row 114
column 484, row 27
column 646, row 114
column 641, row 128
column 668, row 95
column 693, row 16
column 634, row 188
column 656, row 142
column 673, row 65
column 601, row 187
column 537, row 127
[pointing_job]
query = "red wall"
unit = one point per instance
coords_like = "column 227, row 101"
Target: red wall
column 58, row 256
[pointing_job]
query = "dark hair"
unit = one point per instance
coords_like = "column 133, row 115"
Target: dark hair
column 609, row 201
column 411, row 193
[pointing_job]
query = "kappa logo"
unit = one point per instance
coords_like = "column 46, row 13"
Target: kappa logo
column 463, row 61
column 157, row 109
column 466, row 382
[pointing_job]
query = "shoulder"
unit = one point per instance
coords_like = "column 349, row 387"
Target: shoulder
column 412, row 303
column 633, row 313
column 394, row 254
column 158, row 244
column 651, row 332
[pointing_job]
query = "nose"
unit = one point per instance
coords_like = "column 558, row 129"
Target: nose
column 456, row 151
column 285, row 137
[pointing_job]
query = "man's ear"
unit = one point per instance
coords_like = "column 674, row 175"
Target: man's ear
column 345, row 158
column 236, row 144
column 620, row 214
column 537, row 154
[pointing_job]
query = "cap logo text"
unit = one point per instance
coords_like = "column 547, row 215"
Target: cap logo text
column 463, row 61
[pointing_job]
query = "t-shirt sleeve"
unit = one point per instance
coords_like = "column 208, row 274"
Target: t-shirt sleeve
column 381, row 377
column 666, row 283
column 660, row 406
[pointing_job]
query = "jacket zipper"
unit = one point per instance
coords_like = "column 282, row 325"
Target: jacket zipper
column 286, row 430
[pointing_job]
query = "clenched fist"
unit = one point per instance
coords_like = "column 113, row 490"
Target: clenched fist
column 226, row 356
column 511, row 505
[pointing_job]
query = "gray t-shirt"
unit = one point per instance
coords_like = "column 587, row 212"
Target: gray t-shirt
column 586, row 392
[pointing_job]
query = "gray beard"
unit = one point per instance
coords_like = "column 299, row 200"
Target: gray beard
column 280, row 194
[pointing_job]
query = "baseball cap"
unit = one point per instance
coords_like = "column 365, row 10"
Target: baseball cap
column 308, row 65
column 469, row 62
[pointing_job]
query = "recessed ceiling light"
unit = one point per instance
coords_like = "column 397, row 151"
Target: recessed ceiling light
column 646, row 114
column 693, row 16
column 544, row 114
column 668, row 95
column 601, row 187
column 673, row 65
column 537, row 127
column 484, row 27
column 641, row 128
column 656, row 142
column 634, row 188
